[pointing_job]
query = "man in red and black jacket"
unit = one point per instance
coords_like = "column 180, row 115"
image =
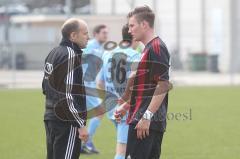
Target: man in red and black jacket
column 65, row 112
column 146, row 96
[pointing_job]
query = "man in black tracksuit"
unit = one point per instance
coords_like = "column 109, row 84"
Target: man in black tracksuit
column 65, row 114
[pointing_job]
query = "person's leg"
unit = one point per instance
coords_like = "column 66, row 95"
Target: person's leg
column 122, row 133
column 66, row 142
column 120, row 151
column 92, row 127
column 156, row 149
column 49, row 140
column 93, row 114
column 137, row 148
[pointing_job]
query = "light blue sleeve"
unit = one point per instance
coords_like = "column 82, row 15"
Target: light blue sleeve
column 136, row 57
column 134, row 60
column 91, row 45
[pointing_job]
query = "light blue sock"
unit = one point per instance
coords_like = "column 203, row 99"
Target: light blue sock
column 119, row 157
column 92, row 127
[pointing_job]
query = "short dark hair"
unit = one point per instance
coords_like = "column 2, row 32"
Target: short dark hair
column 126, row 36
column 70, row 26
column 143, row 13
column 98, row 28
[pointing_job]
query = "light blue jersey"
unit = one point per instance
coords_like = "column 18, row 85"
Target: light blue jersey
column 94, row 45
column 92, row 63
column 115, row 72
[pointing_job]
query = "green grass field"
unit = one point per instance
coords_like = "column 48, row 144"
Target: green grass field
column 212, row 133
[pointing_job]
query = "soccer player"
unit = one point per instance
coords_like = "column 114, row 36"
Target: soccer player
column 65, row 113
column 92, row 64
column 117, row 65
column 147, row 90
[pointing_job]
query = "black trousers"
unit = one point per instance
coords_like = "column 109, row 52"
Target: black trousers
column 62, row 140
column 148, row 148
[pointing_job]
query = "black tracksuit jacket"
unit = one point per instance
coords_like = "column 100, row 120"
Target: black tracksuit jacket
column 63, row 85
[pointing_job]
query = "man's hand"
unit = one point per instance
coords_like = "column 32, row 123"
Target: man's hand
column 121, row 110
column 83, row 134
column 119, row 113
column 143, row 128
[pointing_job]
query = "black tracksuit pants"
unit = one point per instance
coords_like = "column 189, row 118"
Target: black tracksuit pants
column 148, row 148
column 62, row 140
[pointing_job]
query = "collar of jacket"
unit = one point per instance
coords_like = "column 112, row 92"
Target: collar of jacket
column 74, row 46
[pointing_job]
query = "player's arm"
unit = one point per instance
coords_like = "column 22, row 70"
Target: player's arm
column 158, row 97
column 73, row 107
column 126, row 97
column 128, row 91
column 129, row 87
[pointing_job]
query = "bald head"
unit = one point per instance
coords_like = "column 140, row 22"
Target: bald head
column 72, row 25
column 76, row 31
